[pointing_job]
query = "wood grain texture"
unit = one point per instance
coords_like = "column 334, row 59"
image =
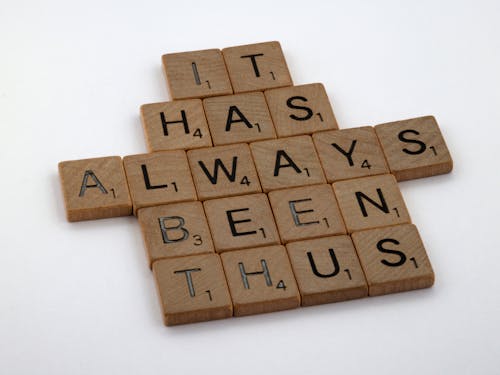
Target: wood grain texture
column 241, row 222
column 159, row 178
column 303, row 109
column 260, row 280
column 393, row 259
column 94, row 188
column 327, row 270
column 306, row 212
column 414, row 148
column 177, row 125
column 371, row 202
column 239, row 118
column 173, row 230
column 350, row 153
column 287, row 162
column 223, row 171
column 192, row 289
column 255, row 67
column 196, row 74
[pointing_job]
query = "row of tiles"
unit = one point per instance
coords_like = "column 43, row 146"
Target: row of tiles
column 324, row 270
column 106, row 187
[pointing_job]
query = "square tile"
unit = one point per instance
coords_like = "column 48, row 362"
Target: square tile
column 306, row 212
column 239, row 118
column 350, row 153
column 287, row 162
column 223, row 171
column 196, row 74
column 192, row 289
column 255, row 67
column 414, row 148
column 393, row 259
column 180, row 124
column 173, row 230
column 371, row 202
column 303, row 109
column 94, row 188
column 260, row 280
column 241, row 222
column 159, row 178
column 327, row 270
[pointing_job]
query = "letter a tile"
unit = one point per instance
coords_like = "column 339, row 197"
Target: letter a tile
column 192, row 289
column 327, row 270
column 95, row 188
column 371, row 202
column 394, row 259
column 260, row 280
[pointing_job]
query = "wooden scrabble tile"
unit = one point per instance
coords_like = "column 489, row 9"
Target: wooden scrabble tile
column 393, row 259
column 173, row 230
column 239, row 118
column 94, row 188
column 371, row 202
column 260, row 280
column 196, row 74
column 303, row 109
column 287, row 162
column 306, row 212
column 223, row 171
column 192, row 289
column 159, row 178
column 180, row 124
column 414, row 148
column 241, row 222
column 255, row 67
column 327, row 270
column 350, row 153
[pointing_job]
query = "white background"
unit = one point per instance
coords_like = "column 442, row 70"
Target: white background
column 80, row 299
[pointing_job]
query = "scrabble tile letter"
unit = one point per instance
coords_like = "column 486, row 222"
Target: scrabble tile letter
column 300, row 110
column 256, row 67
column 394, row 259
column 94, row 188
column 327, row 270
column 159, row 178
column 414, row 148
column 260, row 280
column 192, row 289
column 241, row 222
column 180, row 124
column 371, row 202
column 196, row 74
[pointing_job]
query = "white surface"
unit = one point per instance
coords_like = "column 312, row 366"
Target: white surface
column 80, row 299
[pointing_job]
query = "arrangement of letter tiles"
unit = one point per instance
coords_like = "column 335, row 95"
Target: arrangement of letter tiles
column 251, row 199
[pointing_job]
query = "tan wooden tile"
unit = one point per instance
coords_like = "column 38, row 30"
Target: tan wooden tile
column 192, row 289
column 371, row 202
column 241, row 222
column 196, row 74
column 393, row 259
column 173, row 230
column 257, row 66
column 350, row 153
column 327, row 270
column 287, row 162
column 94, row 188
column 239, row 118
column 159, row 178
column 260, row 280
column 223, row 171
column 303, row 109
column 180, row 124
column 306, row 212
column 414, row 148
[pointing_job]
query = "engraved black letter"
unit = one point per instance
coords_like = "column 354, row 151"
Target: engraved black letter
column 241, row 118
column 334, row 261
column 184, row 121
column 402, row 138
column 219, row 164
column 381, row 206
column 254, row 62
column 402, row 256
column 309, row 112
column 277, row 166
column 347, row 154
column 232, row 222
